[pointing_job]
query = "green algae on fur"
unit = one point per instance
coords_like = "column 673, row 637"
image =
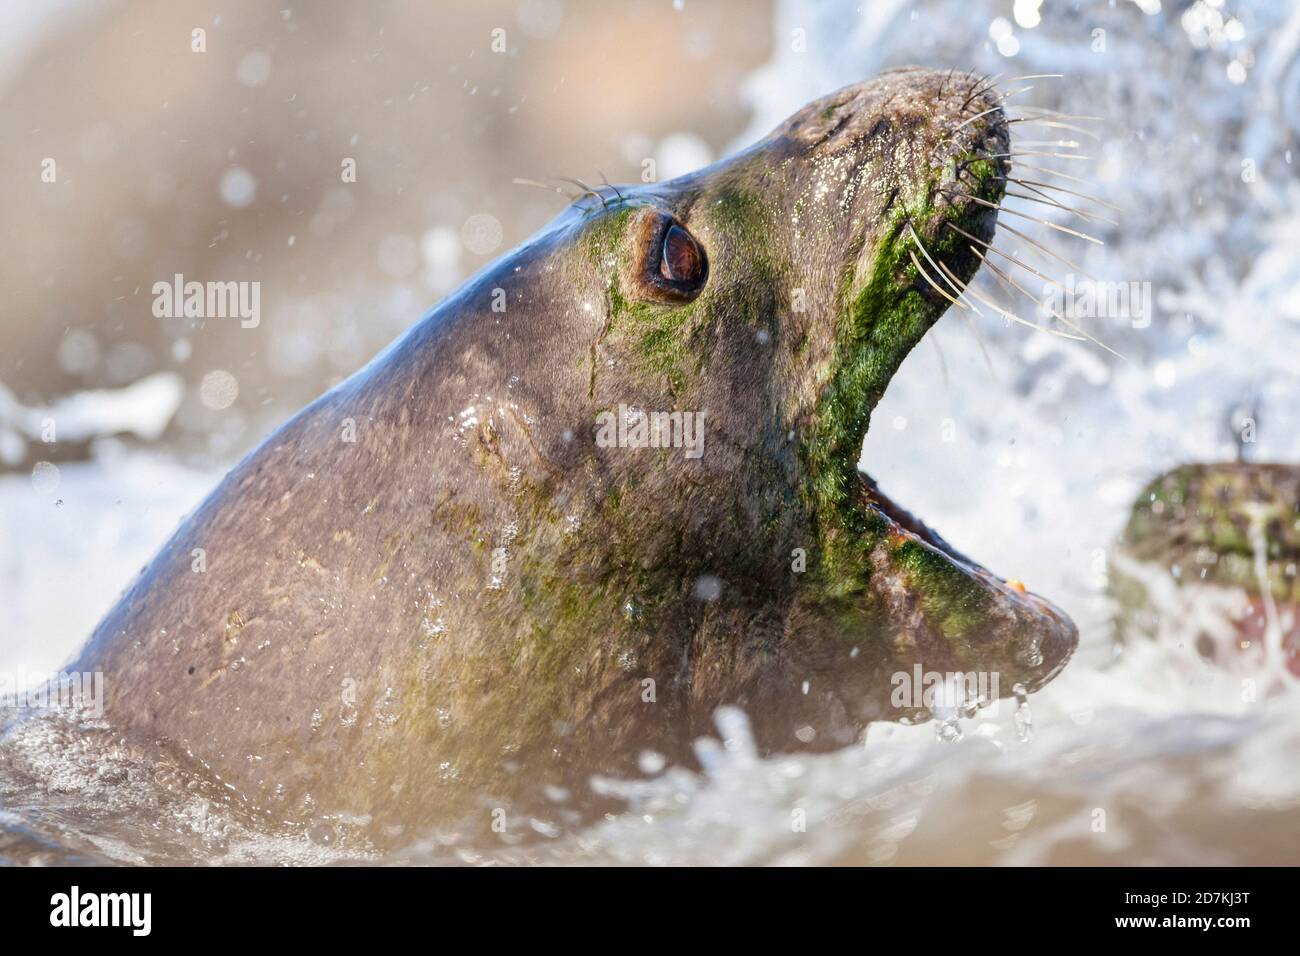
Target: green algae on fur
column 1207, row 520
column 879, row 326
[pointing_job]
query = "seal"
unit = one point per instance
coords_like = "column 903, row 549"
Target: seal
column 1211, row 549
column 606, row 487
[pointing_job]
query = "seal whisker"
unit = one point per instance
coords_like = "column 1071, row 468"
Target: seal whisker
column 1014, row 155
column 991, row 248
column 1026, row 185
column 577, row 182
column 1037, row 76
column 1037, row 219
column 587, row 190
column 1006, row 96
column 1011, row 258
column 1036, row 121
column 1005, row 280
column 1060, row 318
column 1011, row 316
column 1031, row 183
column 987, row 83
column 975, row 91
column 1049, row 201
column 1017, row 287
column 997, row 274
column 926, row 276
column 959, row 287
column 1052, row 225
column 1057, row 114
column 944, row 81
column 1052, row 200
column 520, row 181
column 938, row 351
column 930, row 259
column 1047, row 251
column 950, row 277
column 605, row 180
column 984, row 352
column 954, row 130
column 979, row 341
column 1054, row 172
column 1063, row 143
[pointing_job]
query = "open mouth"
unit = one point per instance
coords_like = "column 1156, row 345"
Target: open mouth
column 1021, row 636
column 909, row 523
column 1004, row 628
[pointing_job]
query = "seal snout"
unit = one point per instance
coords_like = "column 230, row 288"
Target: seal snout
column 967, row 149
column 916, row 158
column 908, row 172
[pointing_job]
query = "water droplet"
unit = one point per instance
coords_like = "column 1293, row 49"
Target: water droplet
column 651, row 762
column 482, row 233
column 1024, row 720
column 948, row 730
column 45, row 477
column 708, row 587
column 321, row 834
column 1030, row 655
column 218, row 390
column 254, row 68
column 238, row 187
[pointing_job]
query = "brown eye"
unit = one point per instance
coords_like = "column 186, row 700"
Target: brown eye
column 682, row 260
column 663, row 263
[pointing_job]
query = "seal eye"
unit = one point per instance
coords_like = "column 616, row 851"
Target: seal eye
column 682, row 259
column 665, row 264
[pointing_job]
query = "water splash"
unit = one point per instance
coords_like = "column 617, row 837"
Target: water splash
column 1024, row 720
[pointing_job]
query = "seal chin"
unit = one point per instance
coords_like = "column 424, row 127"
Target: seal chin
column 1027, row 640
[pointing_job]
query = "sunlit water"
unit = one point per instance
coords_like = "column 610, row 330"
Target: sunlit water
column 1028, row 460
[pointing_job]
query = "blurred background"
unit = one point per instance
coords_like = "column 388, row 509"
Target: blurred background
column 135, row 149
column 226, row 164
column 1024, row 449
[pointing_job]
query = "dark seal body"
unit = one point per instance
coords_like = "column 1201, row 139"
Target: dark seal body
column 435, row 591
